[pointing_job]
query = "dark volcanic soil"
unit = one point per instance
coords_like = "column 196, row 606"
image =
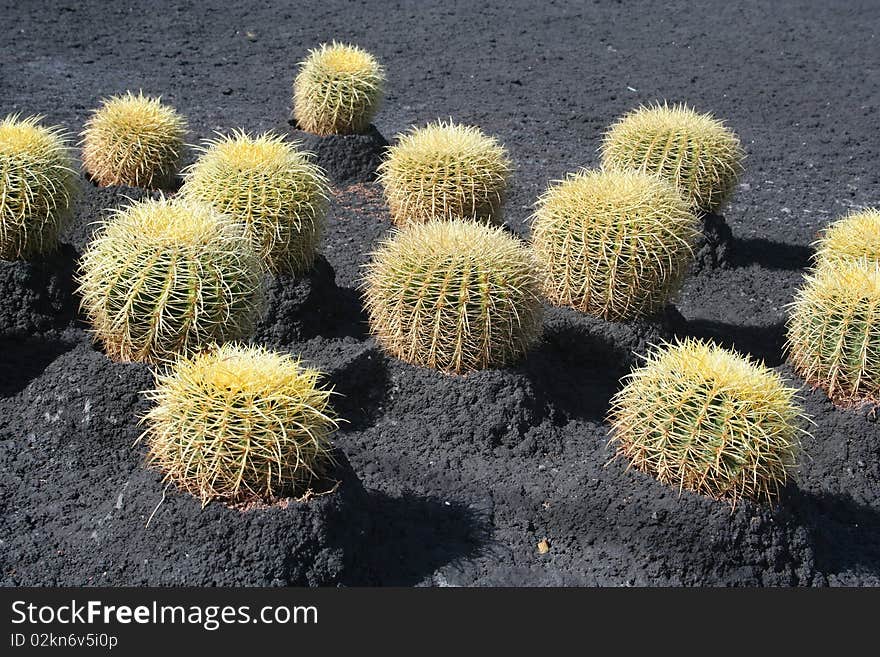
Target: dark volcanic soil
column 453, row 480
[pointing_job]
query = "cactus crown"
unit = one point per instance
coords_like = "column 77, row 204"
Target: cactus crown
column 238, row 423
column 338, row 90
column 855, row 236
column 37, row 185
column 445, row 171
column 615, row 244
column 708, row 420
column 271, row 187
column 696, row 152
column 163, row 277
column 834, row 330
column 456, row 296
column 133, row 140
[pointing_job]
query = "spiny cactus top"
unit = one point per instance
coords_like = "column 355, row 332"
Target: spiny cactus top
column 614, row 244
column 445, row 171
column 133, row 140
column 37, row 184
column 272, row 188
column 456, row 296
column 855, row 236
column 705, row 419
column 338, row 90
column 239, row 423
column 694, row 151
column 834, row 330
column 163, row 277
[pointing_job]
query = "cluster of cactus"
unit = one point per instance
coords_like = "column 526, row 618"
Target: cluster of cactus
column 162, row 277
column 239, row 423
column 453, row 295
column 696, row 152
column 172, row 282
column 705, row 419
column 834, row 329
column 133, row 140
column 273, row 189
column 610, row 243
column 37, row 186
column 445, row 171
column 338, row 90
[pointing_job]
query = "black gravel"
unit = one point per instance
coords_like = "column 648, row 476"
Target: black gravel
column 452, row 480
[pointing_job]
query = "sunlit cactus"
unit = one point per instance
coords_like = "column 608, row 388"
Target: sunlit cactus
column 272, row 188
column 701, row 418
column 453, row 295
column 162, row 278
column 445, row 171
column 338, row 90
column 37, row 186
column 855, row 236
column 696, row 152
column 834, row 330
column 240, row 423
column 133, row 140
column 615, row 244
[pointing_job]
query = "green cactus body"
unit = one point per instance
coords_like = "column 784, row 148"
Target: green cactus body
column 338, row 90
column 696, row 152
column 456, row 296
column 834, row 330
column 445, row 171
column 704, row 419
column 37, row 186
column 240, row 423
column 615, row 244
column 163, row 277
column 273, row 189
column 133, row 140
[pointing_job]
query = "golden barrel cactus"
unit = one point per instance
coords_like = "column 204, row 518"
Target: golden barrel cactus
column 696, row 152
column 272, row 188
column 445, row 171
column 453, row 295
column 701, row 418
column 338, row 90
column 240, row 423
column 615, row 244
column 37, row 187
column 133, row 140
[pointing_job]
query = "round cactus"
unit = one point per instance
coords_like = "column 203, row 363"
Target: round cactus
column 163, row 277
column 445, row 171
column 834, row 330
column 853, row 237
column 708, row 420
column 240, row 423
column 269, row 186
column 133, row 140
column 456, row 296
column 694, row 151
column 37, row 185
column 615, row 244
column 338, row 90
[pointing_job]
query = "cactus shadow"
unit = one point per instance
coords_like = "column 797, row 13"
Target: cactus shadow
column 844, row 533
column 311, row 305
column 25, row 359
column 769, row 254
column 765, row 342
column 577, row 371
column 412, row 536
column 362, row 385
column 351, row 318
